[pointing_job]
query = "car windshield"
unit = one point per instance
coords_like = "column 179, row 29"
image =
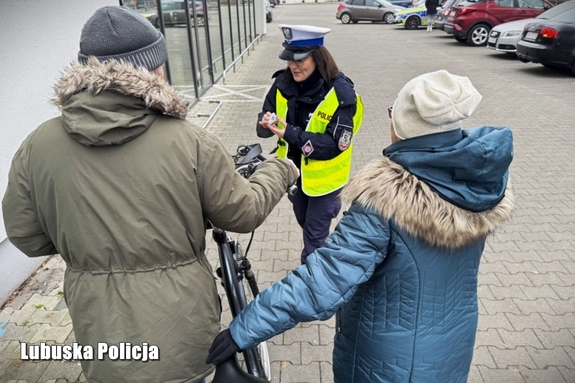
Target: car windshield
column 558, row 10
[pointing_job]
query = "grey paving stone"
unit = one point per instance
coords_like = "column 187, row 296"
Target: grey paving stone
column 306, row 334
column 326, row 371
column 48, row 333
column 474, row 375
column 482, row 357
column 315, row 353
column 552, row 339
column 550, row 374
column 24, row 371
column 513, row 339
column 567, row 373
column 282, row 353
column 496, row 321
column 57, row 370
column 293, row 373
column 511, row 357
column 53, row 318
column 511, row 375
column 538, row 305
column 557, row 322
column 18, row 317
column 20, row 333
column 506, row 305
column 554, row 357
column 326, row 335
column 562, row 306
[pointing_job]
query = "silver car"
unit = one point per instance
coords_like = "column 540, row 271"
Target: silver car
column 504, row 37
column 352, row 11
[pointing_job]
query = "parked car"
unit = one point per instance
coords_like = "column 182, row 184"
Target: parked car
column 551, row 41
column 414, row 17
column 504, row 37
column 352, row 11
column 174, row 12
column 472, row 20
column 269, row 14
column 442, row 13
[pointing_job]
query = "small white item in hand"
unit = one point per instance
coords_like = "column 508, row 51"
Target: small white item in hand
column 273, row 118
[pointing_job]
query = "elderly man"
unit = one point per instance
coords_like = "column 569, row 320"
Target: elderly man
column 121, row 186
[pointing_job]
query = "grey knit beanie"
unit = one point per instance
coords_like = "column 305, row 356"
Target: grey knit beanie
column 117, row 33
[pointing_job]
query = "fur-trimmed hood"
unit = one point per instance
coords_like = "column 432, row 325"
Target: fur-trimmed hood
column 112, row 103
column 395, row 193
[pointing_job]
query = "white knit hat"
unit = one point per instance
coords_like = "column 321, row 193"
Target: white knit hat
column 432, row 103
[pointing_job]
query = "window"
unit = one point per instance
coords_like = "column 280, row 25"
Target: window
column 357, row 2
column 372, row 3
column 556, row 10
column 506, row 3
column 533, row 4
column 566, row 17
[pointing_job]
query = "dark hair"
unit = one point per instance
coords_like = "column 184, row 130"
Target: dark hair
column 325, row 64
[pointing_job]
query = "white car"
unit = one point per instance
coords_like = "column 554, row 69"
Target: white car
column 504, row 37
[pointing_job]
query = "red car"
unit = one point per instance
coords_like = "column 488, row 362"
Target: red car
column 472, row 20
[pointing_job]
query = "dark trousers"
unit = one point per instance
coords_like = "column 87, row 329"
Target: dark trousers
column 314, row 215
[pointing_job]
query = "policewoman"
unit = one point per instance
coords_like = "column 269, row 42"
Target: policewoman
column 317, row 114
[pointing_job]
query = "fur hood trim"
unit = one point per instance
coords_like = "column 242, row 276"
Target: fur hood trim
column 393, row 192
column 121, row 78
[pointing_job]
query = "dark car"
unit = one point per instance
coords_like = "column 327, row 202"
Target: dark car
column 550, row 41
column 442, row 13
column 174, row 12
column 472, row 20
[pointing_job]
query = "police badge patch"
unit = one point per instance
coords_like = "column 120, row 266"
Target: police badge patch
column 307, row 149
column 344, row 140
column 287, row 33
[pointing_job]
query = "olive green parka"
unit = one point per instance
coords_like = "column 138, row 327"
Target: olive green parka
column 121, row 186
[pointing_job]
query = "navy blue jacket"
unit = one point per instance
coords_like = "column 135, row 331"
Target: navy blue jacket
column 400, row 269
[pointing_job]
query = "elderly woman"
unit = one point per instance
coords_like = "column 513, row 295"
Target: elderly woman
column 400, row 270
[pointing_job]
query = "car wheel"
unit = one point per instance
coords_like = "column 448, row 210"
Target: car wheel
column 478, row 35
column 345, row 18
column 412, row 23
column 388, row 18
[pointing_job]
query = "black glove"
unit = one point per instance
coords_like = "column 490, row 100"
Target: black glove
column 222, row 348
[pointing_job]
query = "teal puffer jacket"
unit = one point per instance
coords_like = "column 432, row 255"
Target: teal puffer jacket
column 400, row 270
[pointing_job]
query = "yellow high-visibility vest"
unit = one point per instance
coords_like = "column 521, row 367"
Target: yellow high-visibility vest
column 321, row 177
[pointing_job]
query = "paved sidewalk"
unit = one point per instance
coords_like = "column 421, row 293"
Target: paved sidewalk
column 527, row 278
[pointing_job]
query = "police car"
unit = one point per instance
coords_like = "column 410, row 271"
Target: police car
column 414, row 17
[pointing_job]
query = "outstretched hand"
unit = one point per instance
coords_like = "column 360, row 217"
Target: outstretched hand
column 222, row 348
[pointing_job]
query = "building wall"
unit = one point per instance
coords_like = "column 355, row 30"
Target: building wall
column 39, row 38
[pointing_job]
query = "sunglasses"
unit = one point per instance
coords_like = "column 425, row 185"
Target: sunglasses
column 298, row 63
column 389, row 110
